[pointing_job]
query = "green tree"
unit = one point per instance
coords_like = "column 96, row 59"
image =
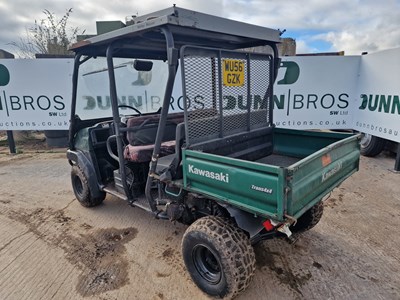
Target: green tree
column 50, row 35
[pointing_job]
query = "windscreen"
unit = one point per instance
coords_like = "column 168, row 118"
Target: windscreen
column 143, row 90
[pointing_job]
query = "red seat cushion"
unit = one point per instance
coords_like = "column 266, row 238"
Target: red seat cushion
column 144, row 153
column 147, row 134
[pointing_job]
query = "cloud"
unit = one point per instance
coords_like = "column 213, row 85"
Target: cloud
column 19, row 15
column 303, row 47
column 350, row 25
column 379, row 30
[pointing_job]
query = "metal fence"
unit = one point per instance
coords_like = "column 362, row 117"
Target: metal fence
column 226, row 92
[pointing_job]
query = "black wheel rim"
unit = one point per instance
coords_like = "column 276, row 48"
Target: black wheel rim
column 78, row 186
column 207, row 264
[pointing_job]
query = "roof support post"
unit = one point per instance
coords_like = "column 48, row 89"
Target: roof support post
column 117, row 119
column 72, row 121
column 172, row 54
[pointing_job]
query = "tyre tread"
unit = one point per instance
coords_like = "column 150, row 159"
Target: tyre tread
column 86, row 200
column 236, row 247
column 310, row 218
column 374, row 148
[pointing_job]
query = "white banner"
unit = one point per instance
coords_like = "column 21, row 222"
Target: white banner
column 377, row 106
column 314, row 92
column 35, row 94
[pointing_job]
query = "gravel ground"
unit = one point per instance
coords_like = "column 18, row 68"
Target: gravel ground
column 53, row 248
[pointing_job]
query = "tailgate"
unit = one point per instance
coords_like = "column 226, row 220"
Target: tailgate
column 313, row 177
column 253, row 187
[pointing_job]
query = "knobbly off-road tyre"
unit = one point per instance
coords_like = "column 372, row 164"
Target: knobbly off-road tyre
column 371, row 145
column 309, row 219
column 82, row 190
column 218, row 256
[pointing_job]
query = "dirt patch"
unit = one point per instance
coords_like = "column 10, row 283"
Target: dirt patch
column 90, row 249
column 99, row 254
column 317, row 265
column 61, row 218
column 86, row 226
column 168, row 253
column 102, row 254
column 162, row 275
column 277, row 263
column 32, row 219
column 173, row 258
column 333, row 201
column 160, row 296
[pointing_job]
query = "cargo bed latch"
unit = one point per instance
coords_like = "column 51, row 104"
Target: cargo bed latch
column 283, row 228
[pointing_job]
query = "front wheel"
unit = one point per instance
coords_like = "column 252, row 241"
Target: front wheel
column 218, row 256
column 81, row 189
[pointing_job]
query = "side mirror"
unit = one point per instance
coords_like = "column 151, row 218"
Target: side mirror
column 142, row 65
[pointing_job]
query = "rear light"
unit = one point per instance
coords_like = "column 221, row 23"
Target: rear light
column 268, row 225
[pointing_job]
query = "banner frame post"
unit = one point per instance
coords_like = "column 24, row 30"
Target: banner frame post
column 11, row 142
column 397, row 162
column 10, row 135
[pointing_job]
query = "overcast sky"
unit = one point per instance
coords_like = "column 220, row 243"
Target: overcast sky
column 353, row 26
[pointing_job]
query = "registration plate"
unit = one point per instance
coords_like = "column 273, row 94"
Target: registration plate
column 233, row 72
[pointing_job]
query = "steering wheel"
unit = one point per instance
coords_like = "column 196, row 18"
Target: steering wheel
column 131, row 107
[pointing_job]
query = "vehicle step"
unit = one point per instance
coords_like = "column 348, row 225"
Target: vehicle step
column 142, row 203
column 112, row 191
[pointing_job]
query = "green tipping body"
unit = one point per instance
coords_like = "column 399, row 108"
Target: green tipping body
column 321, row 161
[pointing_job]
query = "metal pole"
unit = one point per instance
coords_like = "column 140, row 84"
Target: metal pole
column 117, row 118
column 72, row 123
column 397, row 163
column 10, row 136
column 11, row 142
column 172, row 54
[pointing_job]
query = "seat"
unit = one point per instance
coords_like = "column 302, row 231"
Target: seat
column 141, row 135
column 142, row 130
column 168, row 167
column 143, row 153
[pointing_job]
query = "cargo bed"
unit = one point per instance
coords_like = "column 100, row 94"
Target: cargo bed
column 278, row 160
column 303, row 167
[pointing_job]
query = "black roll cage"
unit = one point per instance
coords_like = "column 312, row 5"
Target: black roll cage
column 123, row 48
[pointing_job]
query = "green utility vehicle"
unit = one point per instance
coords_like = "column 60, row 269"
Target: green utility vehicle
column 205, row 152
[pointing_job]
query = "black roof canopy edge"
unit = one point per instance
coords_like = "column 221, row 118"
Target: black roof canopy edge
column 187, row 26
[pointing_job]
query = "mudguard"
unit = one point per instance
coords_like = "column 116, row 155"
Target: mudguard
column 79, row 159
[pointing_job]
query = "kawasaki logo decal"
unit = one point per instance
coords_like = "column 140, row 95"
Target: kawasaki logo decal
column 328, row 174
column 223, row 177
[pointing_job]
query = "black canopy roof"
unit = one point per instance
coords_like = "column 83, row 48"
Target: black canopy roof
column 144, row 38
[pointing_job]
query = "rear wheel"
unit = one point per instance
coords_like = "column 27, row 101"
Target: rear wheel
column 371, row 145
column 218, row 256
column 82, row 190
column 309, row 219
